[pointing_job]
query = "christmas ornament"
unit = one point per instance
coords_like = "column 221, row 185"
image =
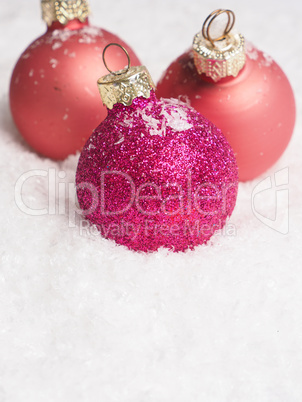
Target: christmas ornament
column 241, row 89
column 154, row 173
column 53, row 96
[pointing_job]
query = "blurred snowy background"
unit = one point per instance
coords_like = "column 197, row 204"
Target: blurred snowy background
column 82, row 319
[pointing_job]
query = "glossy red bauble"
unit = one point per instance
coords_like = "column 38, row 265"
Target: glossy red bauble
column 53, row 93
column 255, row 110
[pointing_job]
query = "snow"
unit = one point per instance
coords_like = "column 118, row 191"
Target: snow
column 85, row 320
column 176, row 119
column 53, row 62
column 88, row 35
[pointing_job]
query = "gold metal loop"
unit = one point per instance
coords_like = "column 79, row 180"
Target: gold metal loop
column 209, row 20
column 124, row 70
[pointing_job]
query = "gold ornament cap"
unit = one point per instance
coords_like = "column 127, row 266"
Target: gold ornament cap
column 124, row 85
column 219, row 57
column 64, row 10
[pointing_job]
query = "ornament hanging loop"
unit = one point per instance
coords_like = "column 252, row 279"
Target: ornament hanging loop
column 124, row 70
column 209, row 20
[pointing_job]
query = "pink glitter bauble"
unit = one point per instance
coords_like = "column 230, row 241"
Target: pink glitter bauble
column 157, row 174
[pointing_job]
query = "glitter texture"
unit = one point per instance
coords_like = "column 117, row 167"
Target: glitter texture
column 157, row 174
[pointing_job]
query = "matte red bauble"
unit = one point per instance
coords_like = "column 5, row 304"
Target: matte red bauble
column 241, row 89
column 154, row 173
column 53, row 93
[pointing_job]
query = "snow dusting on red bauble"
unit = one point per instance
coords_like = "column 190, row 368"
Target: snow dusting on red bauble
column 155, row 173
column 53, row 94
column 241, row 90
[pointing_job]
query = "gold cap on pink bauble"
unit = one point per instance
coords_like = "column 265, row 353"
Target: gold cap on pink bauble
column 125, row 85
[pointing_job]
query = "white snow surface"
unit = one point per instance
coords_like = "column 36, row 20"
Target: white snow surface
column 82, row 319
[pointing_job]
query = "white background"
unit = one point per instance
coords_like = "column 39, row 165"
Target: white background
column 82, row 319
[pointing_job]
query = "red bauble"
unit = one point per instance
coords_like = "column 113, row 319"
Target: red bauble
column 53, row 93
column 255, row 110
